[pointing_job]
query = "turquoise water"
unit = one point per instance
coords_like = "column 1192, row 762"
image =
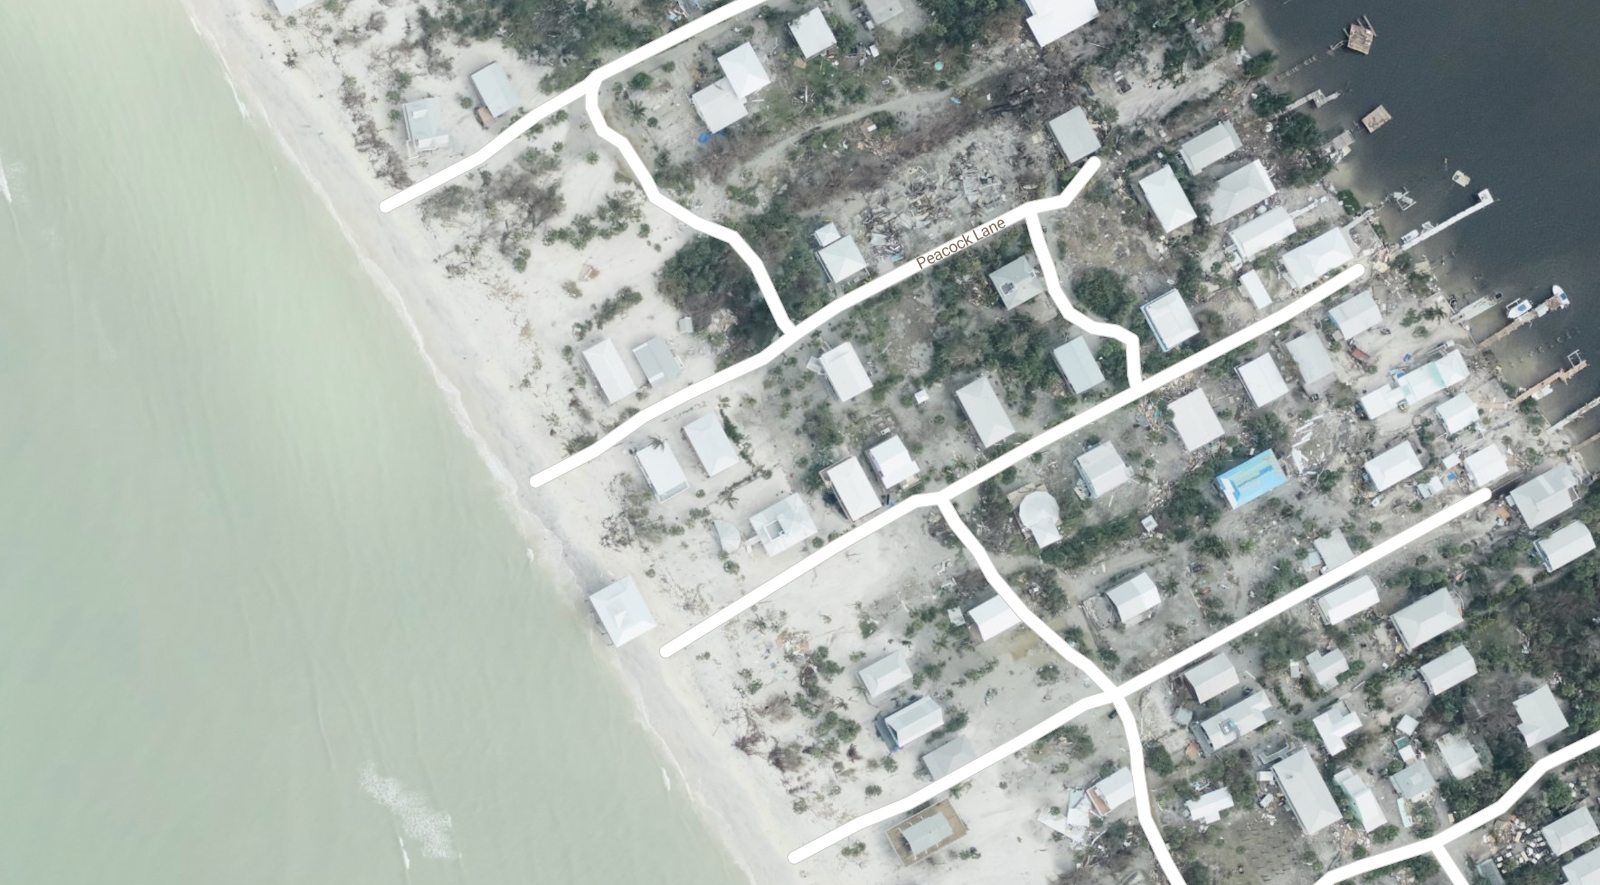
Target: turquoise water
column 263, row 617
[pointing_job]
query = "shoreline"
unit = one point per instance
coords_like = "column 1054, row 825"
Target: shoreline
column 548, row 550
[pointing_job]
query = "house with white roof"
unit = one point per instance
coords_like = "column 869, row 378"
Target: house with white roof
column 1564, row 545
column 1356, row 314
column 622, row 612
column 657, row 361
column 885, row 674
column 1113, row 791
column 1306, row 792
column 1457, row 413
column 927, row 835
column 1570, row 831
column 1348, row 600
column 1333, row 724
column 1240, row 190
column 744, row 71
column 662, row 470
column 1040, row 517
column 1393, row 466
column 1414, row 781
column 912, row 721
column 1263, row 380
column 1486, row 465
column 1262, row 232
column 1448, row 670
column 1546, row 496
column 1208, row 808
column 719, row 106
column 1018, row 282
column 1102, row 470
column 1169, row 319
column 1369, row 814
column 1311, row 262
column 1417, row 385
column 1234, row 723
column 853, row 489
column 1541, row 716
column 1050, row 20
column 1166, row 199
column 711, row 445
column 1333, row 550
column 1433, row 615
column 842, row 259
column 844, row 371
column 1254, row 289
column 1326, row 667
column 1075, row 135
column 1211, row 677
column 1195, row 420
column 494, row 87
column 425, row 125
column 992, row 617
column 811, row 33
column 1135, row 598
column 982, row 407
column 783, row 525
column 1078, row 365
column 1583, row 871
column 1312, row 360
column 949, row 756
column 1210, row 146
column 608, row 369
column 893, row 462
column 1460, row 759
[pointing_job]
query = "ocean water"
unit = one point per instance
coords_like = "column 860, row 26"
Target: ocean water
column 263, row 616
column 1503, row 90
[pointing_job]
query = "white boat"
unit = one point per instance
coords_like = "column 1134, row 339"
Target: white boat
column 1518, row 309
column 1560, row 295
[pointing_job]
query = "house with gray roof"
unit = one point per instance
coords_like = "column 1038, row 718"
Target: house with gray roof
column 1546, row 496
column 1393, row 466
column 1208, row 809
column 1102, row 470
column 608, row 369
column 1369, row 814
column 662, row 470
column 1235, row 722
column 657, row 362
column 992, row 617
column 711, row 445
column 1262, row 232
column 1570, row 831
column 494, row 87
column 1210, row 146
column 1212, row 677
column 1333, row 724
column 1113, row 791
column 1262, row 380
column 1050, row 20
column 1040, row 516
column 1078, row 365
column 1486, row 465
column 1166, row 199
column 1333, row 550
column 1448, row 670
column 1195, row 420
column 1326, row 667
column 1018, row 282
column 811, row 33
column 1585, row 870
column 912, row 721
column 1134, row 598
column 1312, row 359
column 885, row 674
column 719, row 106
column 622, row 612
column 1414, row 781
column 883, row 10
column 1433, row 615
column 893, row 462
column 1460, row 759
column 1541, row 716
column 1348, row 600
column 982, row 407
column 1075, row 135
column 845, row 374
column 853, row 489
column 1564, row 545
column 1356, row 314
column 425, row 124
column 1169, row 319
column 1240, row 190
column 949, row 756
column 1311, row 262
column 842, row 259
column 1306, row 792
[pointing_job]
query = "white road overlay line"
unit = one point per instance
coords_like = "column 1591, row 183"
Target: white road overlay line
column 1452, row 871
column 807, row 326
column 1052, row 284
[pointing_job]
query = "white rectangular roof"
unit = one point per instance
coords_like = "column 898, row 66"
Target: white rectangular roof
column 1210, row 146
column 1167, row 199
column 1333, row 724
column 845, row 373
column 783, row 525
column 1393, row 466
column 913, row 721
column 992, row 617
column 1263, row 380
column 1212, row 677
column 1314, row 260
column 811, row 33
column 719, row 106
column 657, row 362
column 1459, row 757
column 983, row 409
column 1240, row 190
column 1432, row 615
column 1457, row 413
column 711, row 444
column 1169, row 319
column 662, row 469
column 1195, row 420
column 1326, row 667
column 425, row 126
column 1017, row 282
column 1546, row 496
column 1348, row 600
column 1570, row 831
column 1078, row 365
column 1369, row 814
column 1541, row 716
column 1311, row 358
column 1382, row 401
column 1053, row 19
column 1262, row 232
column 1585, row 870
column 1565, row 545
column 1486, row 465
column 1356, row 314
column 494, row 87
column 884, row 674
column 949, row 756
column 1102, row 469
column 893, row 462
column 1208, row 809
column 622, row 611
column 609, row 370
column 1116, row 789
column 853, row 489
column 1255, row 290
column 1334, row 549
column 1448, row 670
column 1133, row 597
column 1075, row 135
column 1237, row 721
column 742, row 68
column 842, row 259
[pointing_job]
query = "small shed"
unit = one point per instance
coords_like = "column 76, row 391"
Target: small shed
column 622, row 612
column 1210, row 146
column 1170, row 320
column 608, row 369
column 1075, row 135
column 982, row 407
column 811, row 33
column 662, row 470
column 1393, row 466
column 657, row 362
column 494, row 87
column 1135, row 598
column 992, row 617
column 1078, row 365
column 1102, row 470
column 845, row 373
column 1166, row 199
column 853, row 489
column 1018, row 282
column 1564, row 545
column 1263, row 380
column 1195, row 420
column 711, row 444
column 885, row 674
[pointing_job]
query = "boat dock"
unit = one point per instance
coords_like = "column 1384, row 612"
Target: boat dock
column 1575, row 364
column 1375, row 120
column 1415, row 238
column 1582, row 410
column 1553, row 303
column 1359, row 36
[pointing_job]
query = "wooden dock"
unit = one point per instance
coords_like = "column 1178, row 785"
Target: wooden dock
column 1415, row 238
column 1582, row 410
column 1359, row 36
column 1549, row 305
column 1564, row 375
column 1375, row 120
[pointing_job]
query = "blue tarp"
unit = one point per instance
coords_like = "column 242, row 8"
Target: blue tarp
column 1252, row 479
